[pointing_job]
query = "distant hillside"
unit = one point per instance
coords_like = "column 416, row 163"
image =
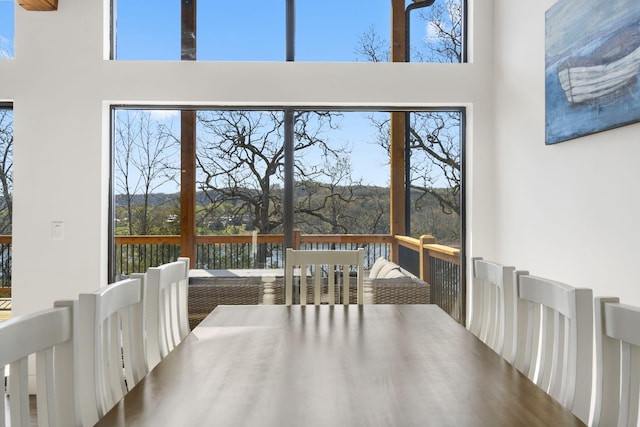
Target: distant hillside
column 160, row 199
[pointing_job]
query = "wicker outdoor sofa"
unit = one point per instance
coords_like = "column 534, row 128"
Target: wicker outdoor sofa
column 393, row 285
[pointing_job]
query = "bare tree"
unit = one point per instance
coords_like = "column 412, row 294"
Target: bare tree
column 6, row 169
column 325, row 205
column 241, row 155
column 372, row 47
column 435, row 157
column 146, row 158
column 443, row 40
column 434, row 136
column 434, row 141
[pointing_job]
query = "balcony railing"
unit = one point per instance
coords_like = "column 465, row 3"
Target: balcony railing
column 136, row 254
column 439, row 266
column 5, row 262
column 436, row 264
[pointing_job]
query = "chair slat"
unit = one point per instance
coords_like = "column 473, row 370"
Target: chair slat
column 19, row 392
column 493, row 304
column 47, row 336
column 617, row 363
column 555, row 338
column 335, row 263
column 167, row 314
column 108, row 366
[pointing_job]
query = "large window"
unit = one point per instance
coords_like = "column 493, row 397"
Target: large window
column 6, row 192
column 341, row 180
column 240, row 171
column 435, row 175
column 147, row 165
column 6, row 28
column 253, row 30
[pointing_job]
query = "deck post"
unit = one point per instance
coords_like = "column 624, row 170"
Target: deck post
column 188, row 143
column 425, row 262
column 397, row 133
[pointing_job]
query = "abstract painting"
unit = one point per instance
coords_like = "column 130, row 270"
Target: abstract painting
column 592, row 65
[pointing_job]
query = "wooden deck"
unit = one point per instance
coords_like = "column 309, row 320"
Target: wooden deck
column 5, row 309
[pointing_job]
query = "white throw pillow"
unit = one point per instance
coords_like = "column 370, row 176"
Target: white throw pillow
column 386, row 269
column 376, row 267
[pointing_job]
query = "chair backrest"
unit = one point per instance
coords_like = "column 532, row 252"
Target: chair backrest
column 617, row 363
column 111, row 354
column 335, row 263
column 167, row 312
column 555, row 340
column 49, row 334
column 493, row 306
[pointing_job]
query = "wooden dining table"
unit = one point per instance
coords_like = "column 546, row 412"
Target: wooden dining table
column 371, row 365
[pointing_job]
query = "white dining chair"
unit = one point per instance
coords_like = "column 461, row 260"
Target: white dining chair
column 493, row 307
column 555, row 339
column 111, row 353
column 167, row 312
column 617, row 331
column 49, row 335
column 332, row 265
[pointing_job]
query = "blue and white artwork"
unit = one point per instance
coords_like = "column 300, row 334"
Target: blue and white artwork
column 592, row 67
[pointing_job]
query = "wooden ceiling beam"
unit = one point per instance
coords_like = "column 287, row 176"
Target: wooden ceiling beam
column 39, row 5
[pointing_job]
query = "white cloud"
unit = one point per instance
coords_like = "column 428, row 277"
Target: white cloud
column 432, row 31
column 5, row 47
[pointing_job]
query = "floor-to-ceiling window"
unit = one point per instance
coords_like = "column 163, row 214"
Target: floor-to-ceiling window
column 341, row 177
column 146, row 185
column 243, row 182
column 6, row 192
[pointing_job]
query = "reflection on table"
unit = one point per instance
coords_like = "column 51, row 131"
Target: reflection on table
column 373, row 365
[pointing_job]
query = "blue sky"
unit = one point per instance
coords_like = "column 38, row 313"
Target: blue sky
column 250, row 30
column 6, row 28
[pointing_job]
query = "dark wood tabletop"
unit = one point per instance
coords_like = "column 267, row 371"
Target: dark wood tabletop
column 371, row 365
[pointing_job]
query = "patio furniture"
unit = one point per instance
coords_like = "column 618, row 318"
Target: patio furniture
column 493, row 303
column 210, row 288
column 617, row 363
column 555, row 339
column 352, row 365
column 207, row 290
column 48, row 334
column 111, row 354
column 388, row 283
column 332, row 265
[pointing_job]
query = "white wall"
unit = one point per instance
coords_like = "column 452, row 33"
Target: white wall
column 566, row 211
column 61, row 88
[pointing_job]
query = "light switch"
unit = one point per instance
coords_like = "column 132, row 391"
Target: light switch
column 57, row 230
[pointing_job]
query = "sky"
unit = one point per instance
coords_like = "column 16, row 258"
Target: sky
column 254, row 30
column 6, row 28
column 250, row 30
